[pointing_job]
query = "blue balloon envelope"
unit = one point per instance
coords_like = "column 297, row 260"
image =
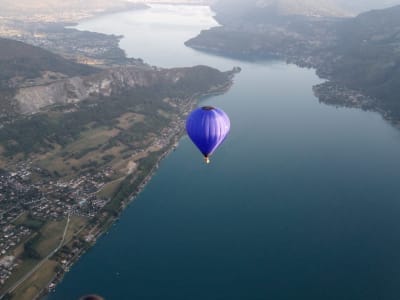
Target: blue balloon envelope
column 208, row 127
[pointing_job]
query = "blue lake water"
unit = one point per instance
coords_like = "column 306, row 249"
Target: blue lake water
column 301, row 201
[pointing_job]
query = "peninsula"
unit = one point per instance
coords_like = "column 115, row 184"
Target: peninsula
column 82, row 129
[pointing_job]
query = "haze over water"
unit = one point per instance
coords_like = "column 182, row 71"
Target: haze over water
column 301, row 202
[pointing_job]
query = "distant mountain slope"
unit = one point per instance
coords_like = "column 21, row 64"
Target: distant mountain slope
column 20, row 61
column 366, row 26
column 358, row 6
column 368, row 51
column 259, row 10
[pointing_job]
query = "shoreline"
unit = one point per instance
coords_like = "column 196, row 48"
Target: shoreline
column 102, row 227
column 329, row 92
column 336, row 94
column 129, row 200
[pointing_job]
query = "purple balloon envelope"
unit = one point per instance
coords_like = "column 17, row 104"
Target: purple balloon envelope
column 208, row 127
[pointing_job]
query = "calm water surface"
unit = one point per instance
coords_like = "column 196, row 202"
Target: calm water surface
column 301, row 202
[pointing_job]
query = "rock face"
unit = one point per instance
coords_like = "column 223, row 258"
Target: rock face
column 31, row 99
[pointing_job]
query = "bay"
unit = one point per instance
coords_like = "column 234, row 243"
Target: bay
column 300, row 202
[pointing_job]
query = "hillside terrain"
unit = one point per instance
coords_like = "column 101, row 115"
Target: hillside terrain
column 231, row 12
column 367, row 56
column 56, row 114
column 23, row 65
column 20, row 62
column 359, row 55
column 359, row 6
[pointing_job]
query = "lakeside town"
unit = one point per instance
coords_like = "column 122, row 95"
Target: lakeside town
column 42, row 200
column 88, row 48
column 336, row 94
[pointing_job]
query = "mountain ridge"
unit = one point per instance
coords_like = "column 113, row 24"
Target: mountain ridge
column 20, row 62
column 106, row 83
column 260, row 11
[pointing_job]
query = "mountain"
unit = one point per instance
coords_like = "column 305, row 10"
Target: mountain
column 23, row 65
column 321, row 8
column 368, row 56
column 358, row 6
column 114, row 81
column 231, row 11
column 359, row 56
column 20, row 62
column 63, row 109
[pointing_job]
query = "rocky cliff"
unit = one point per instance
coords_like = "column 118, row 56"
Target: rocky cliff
column 31, row 99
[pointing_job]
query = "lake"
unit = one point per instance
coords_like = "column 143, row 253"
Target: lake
column 300, row 202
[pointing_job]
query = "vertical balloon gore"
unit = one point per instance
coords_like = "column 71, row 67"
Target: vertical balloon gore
column 207, row 127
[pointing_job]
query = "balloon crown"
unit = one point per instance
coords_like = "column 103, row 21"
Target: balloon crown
column 208, row 108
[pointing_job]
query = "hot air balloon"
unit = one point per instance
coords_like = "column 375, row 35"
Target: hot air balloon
column 207, row 127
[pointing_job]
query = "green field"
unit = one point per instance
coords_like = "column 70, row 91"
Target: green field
column 109, row 190
column 36, row 282
column 75, row 225
column 50, row 237
column 21, row 270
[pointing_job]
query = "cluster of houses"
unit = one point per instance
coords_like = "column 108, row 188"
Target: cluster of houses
column 45, row 199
